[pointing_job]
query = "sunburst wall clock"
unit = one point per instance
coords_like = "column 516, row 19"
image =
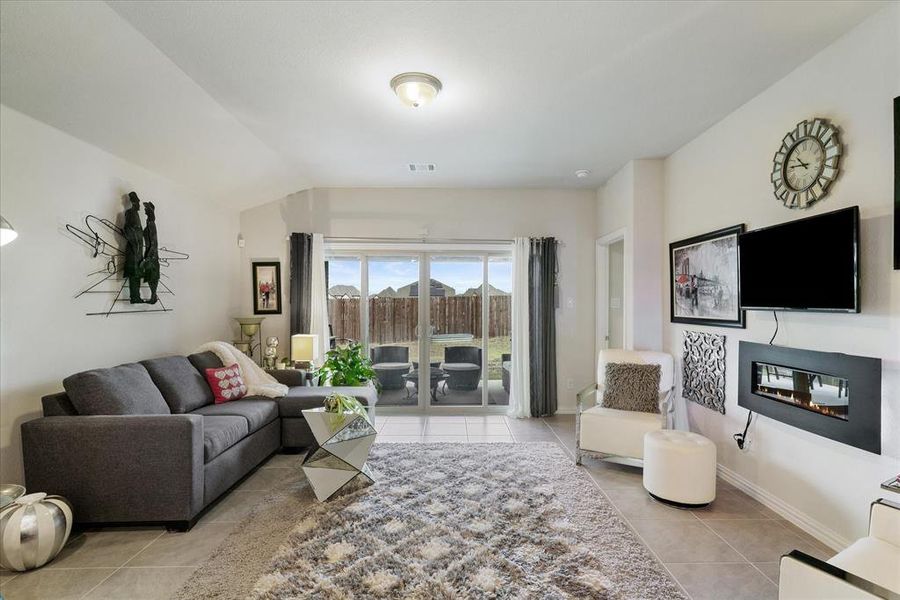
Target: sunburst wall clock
column 806, row 164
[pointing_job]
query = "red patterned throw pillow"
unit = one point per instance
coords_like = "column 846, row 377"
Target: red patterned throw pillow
column 226, row 383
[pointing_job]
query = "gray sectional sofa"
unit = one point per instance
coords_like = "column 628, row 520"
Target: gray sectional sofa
column 145, row 443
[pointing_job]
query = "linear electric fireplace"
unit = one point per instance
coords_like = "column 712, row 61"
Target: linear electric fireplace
column 837, row 396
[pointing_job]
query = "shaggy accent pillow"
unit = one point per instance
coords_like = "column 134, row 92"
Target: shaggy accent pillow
column 226, row 383
column 631, row 386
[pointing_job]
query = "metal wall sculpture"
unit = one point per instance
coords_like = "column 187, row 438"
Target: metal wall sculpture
column 703, row 369
column 133, row 257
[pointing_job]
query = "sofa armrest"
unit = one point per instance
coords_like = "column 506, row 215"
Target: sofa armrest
column 884, row 521
column 118, row 469
column 803, row 577
column 582, row 396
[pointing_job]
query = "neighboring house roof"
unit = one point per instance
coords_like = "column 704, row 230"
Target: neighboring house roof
column 492, row 291
column 412, row 290
column 387, row 292
column 343, row 290
column 438, row 288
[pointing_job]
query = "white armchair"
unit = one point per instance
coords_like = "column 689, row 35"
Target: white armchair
column 868, row 569
column 618, row 435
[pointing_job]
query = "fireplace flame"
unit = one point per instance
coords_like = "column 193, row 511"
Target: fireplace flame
column 802, row 400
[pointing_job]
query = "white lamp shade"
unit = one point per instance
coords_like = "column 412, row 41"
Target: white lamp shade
column 304, row 347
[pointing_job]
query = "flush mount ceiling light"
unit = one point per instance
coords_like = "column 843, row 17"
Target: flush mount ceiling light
column 582, row 173
column 415, row 89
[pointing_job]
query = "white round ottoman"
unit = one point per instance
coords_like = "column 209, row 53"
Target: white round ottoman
column 679, row 467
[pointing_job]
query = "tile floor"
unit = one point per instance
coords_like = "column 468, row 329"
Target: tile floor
column 727, row 550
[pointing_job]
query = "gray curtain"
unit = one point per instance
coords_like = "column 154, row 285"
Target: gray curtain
column 542, row 284
column 301, row 280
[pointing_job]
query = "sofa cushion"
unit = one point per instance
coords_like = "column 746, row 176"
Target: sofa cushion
column 873, row 559
column 205, row 360
column 301, row 398
column 619, row 432
column 182, row 385
column 58, row 405
column 257, row 410
column 389, row 366
column 123, row 390
column 221, row 433
column 460, row 367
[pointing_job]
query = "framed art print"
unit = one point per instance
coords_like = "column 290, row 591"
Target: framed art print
column 704, row 279
column 266, row 288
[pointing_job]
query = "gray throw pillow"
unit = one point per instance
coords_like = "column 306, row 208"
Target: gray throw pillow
column 123, row 390
column 632, row 387
column 182, row 386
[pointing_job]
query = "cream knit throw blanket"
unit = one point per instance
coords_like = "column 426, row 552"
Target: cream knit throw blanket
column 258, row 382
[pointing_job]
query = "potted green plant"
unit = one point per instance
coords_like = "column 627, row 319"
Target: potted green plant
column 347, row 366
column 341, row 404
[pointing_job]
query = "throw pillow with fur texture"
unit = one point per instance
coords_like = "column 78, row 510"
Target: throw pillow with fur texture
column 631, row 386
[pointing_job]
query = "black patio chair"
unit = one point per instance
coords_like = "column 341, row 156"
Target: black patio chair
column 463, row 365
column 505, row 367
column 390, row 363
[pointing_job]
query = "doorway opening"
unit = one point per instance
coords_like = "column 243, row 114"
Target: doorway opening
column 613, row 291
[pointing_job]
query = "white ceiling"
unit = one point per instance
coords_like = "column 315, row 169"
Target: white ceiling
column 254, row 99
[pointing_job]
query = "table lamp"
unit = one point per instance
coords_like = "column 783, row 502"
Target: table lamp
column 304, row 348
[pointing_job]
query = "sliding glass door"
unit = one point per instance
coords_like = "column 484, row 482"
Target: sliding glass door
column 456, row 346
column 499, row 328
column 393, row 319
column 435, row 323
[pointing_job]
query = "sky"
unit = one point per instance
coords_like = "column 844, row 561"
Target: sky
column 460, row 274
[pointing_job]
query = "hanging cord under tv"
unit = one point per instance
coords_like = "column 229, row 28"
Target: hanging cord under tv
column 741, row 438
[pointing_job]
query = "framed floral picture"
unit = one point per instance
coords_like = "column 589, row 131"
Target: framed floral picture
column 266, row 288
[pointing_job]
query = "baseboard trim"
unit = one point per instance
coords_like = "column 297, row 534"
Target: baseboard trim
column 565, row 411
column 818, row 530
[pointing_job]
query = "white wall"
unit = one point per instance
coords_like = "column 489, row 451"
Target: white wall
column 567, row 215
column 48, row 179
column 632, row 200
column 615, row 201
column 722, row 178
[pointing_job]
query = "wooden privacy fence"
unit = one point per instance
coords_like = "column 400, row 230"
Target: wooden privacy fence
column 395, row 319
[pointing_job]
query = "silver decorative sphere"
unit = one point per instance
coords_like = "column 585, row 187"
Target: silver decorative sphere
column 272, row 341
column 33, row 529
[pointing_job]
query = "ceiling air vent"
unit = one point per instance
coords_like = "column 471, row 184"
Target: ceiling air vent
column 421, row 167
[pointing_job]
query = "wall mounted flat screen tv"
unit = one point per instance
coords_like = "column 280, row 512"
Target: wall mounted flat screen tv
column 809, row 264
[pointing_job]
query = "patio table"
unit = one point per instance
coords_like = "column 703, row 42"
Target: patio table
column 437, row 376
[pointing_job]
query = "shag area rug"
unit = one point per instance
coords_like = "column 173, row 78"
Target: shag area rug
column 443, row 520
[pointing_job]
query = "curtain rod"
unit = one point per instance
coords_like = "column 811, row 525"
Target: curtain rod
column 358, row 240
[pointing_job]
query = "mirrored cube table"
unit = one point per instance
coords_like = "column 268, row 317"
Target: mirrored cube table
column 344, row 443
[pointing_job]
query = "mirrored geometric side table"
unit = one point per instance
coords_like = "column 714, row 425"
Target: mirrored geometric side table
column 9, row 492
column 344, row 443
